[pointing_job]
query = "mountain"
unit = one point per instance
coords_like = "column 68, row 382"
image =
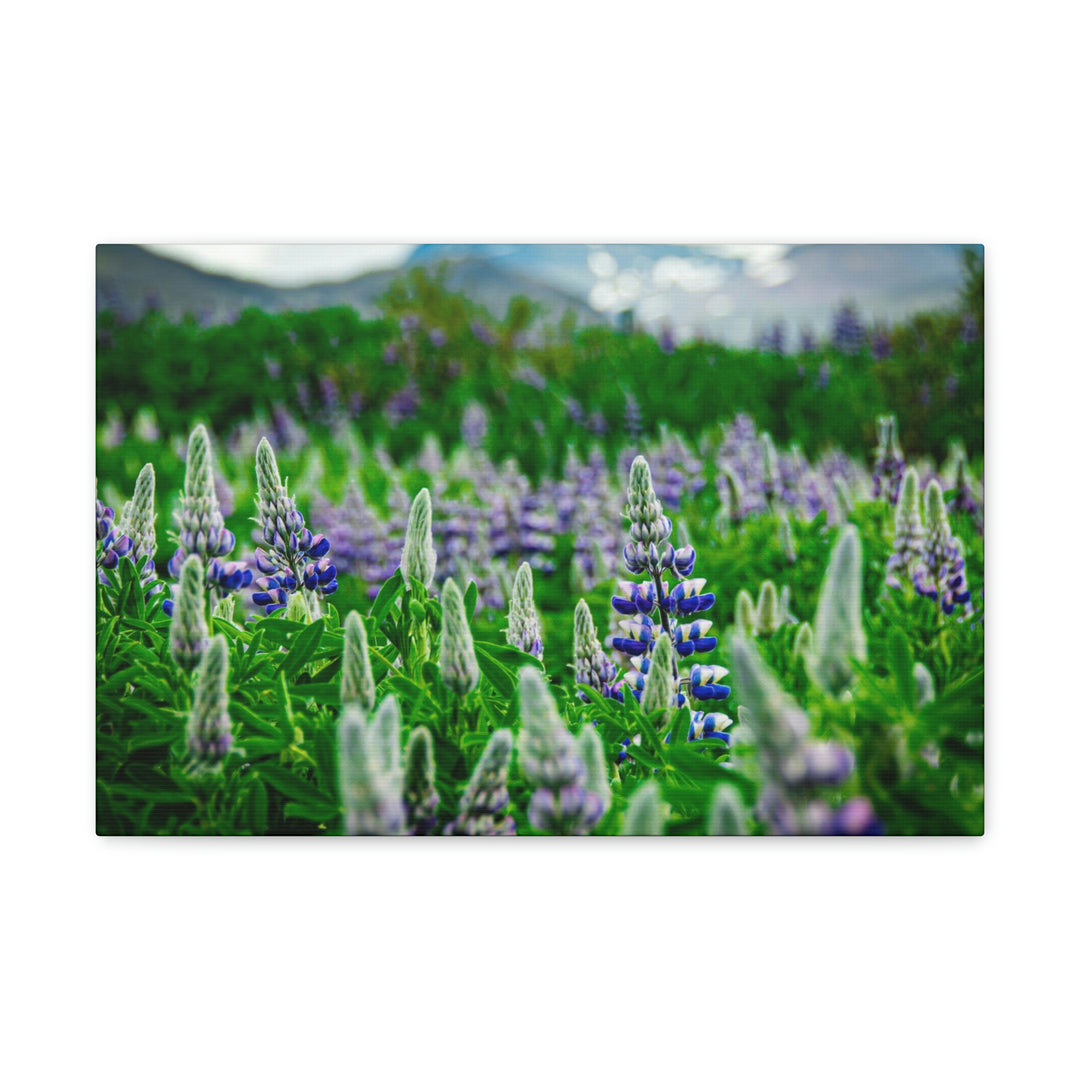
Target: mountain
column 131, row 279
column 730, row 292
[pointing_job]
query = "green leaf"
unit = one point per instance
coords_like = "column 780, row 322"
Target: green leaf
column 292, row 787
column 470, row 600
column 387, row 595
column 260, row 806
column 901, row 665
column 302, row 649
column 499, row 675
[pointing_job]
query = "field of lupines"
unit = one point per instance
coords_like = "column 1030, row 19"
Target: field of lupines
column 719, row 637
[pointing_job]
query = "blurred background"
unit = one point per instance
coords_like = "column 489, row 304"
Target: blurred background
column 730, row 293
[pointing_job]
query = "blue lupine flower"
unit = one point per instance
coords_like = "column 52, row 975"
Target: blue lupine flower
column 592, row 666
column 201, row 526
column 562, row 801
column 657, row 604
column 942, row 575
column 112, row 544
column 293, row 556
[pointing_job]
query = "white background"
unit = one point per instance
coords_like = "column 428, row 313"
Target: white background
column 571, row 122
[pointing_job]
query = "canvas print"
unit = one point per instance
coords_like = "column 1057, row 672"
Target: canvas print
column 539, row 540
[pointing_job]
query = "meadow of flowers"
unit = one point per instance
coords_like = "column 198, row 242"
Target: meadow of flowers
column 371, row 602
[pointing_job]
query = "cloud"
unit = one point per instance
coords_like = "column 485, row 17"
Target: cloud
column 288, row 264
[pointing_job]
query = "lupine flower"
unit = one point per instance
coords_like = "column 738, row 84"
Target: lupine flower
column 592, row 666
column 844, row 502
column 848, row 332
column 112, row 544
column 645, row 812
column 839, row 636
column 293, row 557
column 474, row 425
column 457, row 657
column 793, row 766
column 649, row 528
column 966, row 498
column 188, row 636
column 357, row 685
column 596, row 772
column 370, row 774
column 941, row 576
column 804, row 642
column 421, row 798
column 418, row 555
column 201, row 525
column 138, row 517
column 745, row 615
column 907, row 551
column 881, row 346
column 659, row 688
column 550, row 761
column 209, row 731
column 727, row 815
column 483, row 806
column 481, row 332
column 524, row 630
column 767, row 616
column 888, row 461
column 225, row 609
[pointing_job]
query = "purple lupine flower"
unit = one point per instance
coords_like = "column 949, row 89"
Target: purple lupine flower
column 483, row 809
column 592, row 666
column 563, row 800
column 952, row 383
column 773, row 339
column 402, row 405
column 908, row 542
column 881, row 346
column 942, row 575
column 293, row 557
column 794, row 767
column 437, row 337
column 848, row 332
column 807, row 341
column 823, row 375
column 527, row 374
column 888, row 461
column 474, row 425
column 925, row 395
column 201, row 525
column 969, row 333
column 273, row 367
column 112, row 545
column 481, row 332
column 666, row 341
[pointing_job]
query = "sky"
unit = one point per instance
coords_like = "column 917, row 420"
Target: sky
column 288, row 264
column 730, row 292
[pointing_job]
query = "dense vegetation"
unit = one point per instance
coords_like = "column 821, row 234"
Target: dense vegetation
column 433, row 625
